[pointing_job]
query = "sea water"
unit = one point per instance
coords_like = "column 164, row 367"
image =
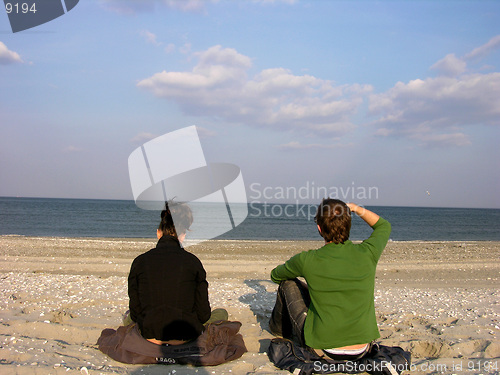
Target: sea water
column 265, row 221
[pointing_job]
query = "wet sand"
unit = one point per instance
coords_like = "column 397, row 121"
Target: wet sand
column 439, row 300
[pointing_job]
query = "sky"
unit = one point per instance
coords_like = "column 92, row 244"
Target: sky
column 393, row 103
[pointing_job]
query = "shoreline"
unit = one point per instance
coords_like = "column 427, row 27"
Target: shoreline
column 438, row 299
column 318, row 239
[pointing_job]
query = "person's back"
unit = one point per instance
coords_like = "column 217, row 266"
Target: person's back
column 168, row 292
column 167, row 285
column 340, row 276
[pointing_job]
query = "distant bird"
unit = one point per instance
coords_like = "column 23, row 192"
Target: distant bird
column 428, row 192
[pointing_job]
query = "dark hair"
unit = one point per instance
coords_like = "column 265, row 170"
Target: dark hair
column 176, row 218
column 334, row 219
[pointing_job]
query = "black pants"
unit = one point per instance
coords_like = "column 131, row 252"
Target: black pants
column 290, row 311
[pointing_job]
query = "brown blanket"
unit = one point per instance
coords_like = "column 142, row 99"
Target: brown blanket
column 220, row 342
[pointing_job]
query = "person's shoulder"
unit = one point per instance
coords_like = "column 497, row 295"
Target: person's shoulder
column 194, row 262
column 191, row 256
column 309, row 253
column 147, row 254
column 140, row 260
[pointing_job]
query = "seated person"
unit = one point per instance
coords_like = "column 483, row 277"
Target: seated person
column 167, row 285
column 334, row 313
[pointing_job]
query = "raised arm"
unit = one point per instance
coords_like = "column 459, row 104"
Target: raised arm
column 368, row 216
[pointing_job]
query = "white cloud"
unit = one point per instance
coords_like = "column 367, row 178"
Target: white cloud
column 219, row 86
column 485, row 49
column 7, row 56
column 149, row 37
column 432, row 110
column 450, row 65
column 170, row 48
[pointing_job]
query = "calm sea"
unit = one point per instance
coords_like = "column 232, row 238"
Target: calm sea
column 117, row 218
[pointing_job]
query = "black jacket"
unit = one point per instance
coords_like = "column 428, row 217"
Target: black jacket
column 168, row 292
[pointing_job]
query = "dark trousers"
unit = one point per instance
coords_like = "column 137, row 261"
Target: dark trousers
column 290, row 311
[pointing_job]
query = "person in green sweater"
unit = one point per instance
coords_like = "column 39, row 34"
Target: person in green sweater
column 333, row 313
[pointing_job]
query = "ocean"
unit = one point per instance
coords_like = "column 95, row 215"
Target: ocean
column 50, row 217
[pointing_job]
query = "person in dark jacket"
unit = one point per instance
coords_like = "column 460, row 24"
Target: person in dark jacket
column 167, row 285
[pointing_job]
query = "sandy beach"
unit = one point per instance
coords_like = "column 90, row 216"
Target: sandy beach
column 439, row 300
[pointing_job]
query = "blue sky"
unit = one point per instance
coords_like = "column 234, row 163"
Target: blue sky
column 400, row 97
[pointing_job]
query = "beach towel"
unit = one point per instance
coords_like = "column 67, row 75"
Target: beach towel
column 220, row 342
column 381, row 360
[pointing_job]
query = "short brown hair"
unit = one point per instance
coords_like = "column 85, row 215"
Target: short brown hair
column 176, row 219
column 334, row 219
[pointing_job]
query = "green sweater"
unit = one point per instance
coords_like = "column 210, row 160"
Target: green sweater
column 341, row 281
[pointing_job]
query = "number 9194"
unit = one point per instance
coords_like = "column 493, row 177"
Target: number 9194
column 20, row 8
